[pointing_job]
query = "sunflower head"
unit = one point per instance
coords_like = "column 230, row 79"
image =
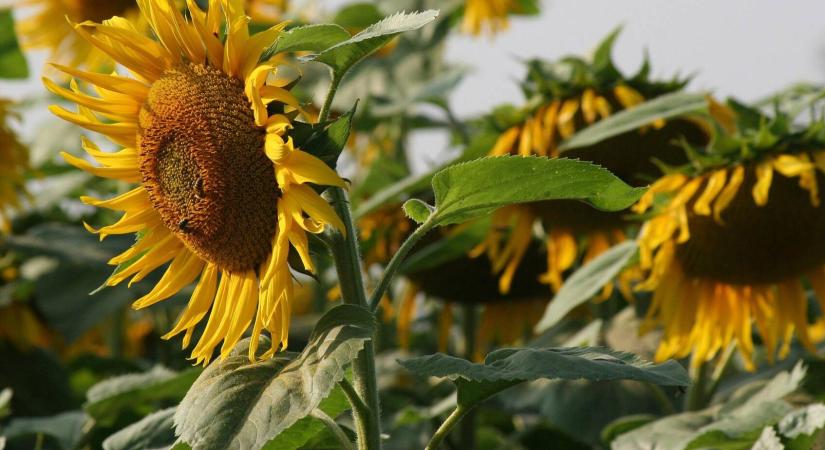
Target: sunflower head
column 563, row 97
column 733, row 237
column 221, row 192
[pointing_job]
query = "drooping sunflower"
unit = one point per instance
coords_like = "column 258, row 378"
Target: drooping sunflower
column 734, row 239
column 13, row 164
column 456, row 280
column 222, row 192
column 563, row 98
column 48, row 28
column 491, row 16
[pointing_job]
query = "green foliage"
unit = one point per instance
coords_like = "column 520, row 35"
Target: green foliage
column 325, row 141
column 344, row 55
column 505, row 368
column 140, row 392
column 312, row 38
column 299, row 434
column 448, row 248
column 154, row 431
column 469, row 190
column 665, row 107
column 230, row 405
column 66, row 429
column 736, row 424
column 12, row 62
column 586, row 282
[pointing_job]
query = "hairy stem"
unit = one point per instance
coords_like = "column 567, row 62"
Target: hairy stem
column 347, row 258
column 395, row 263
column 452, row 420
column 468, row 425
column 336, row 430
column 333, row 88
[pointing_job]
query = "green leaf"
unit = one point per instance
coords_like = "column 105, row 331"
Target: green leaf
column 5, row 403
column 238, row 404
column 663, row 107
column 472, row 189
column 586, row 282
column 326, row 141
column 344, row 55
column 139, row 392
column 623, row 425
column 66, row 428
column 417, row 210
column 312, row 38
column 154, row 431
column 12, row 62
column 358, row 15
column 508, row 367
column 305, row 429
column 737, row 424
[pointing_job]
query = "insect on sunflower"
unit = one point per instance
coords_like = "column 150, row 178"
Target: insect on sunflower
column 222, row 192
column 563, row 98
column 732, row 245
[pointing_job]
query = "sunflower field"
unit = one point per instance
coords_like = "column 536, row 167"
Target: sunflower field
column 274, row 224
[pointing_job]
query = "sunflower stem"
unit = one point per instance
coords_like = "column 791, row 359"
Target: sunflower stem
column 395, row 263
column 447, row 426
column 468, row 425
column 333, row 88
column 336, row 430
column 347, row 258
column 696, row 395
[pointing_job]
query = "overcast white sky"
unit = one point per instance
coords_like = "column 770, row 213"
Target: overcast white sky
column 745, row 48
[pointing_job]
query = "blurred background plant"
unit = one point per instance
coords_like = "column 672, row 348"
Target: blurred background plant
column 87, row 371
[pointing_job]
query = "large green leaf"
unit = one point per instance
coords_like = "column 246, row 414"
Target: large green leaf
column 664, row 107
column 586, row 282
column 12, row 62
column 343, row 55
column 305, row 429
column 472, row 189
column 65, row 428
column 736, row 424
column 236, row 404
column 153, row 432
column 508, row 367
column 139, row 392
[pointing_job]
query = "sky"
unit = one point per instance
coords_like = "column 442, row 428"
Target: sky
column 741, row 48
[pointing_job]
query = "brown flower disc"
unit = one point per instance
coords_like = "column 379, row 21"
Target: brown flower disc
column 203, row 163
column 757, row 244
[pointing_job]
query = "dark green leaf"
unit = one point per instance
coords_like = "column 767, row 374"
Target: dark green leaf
column 507, row 367
column 106, row 400
column 586, row 282
column 663, row 107
column 312, row 38
column 327, row 141
column 358, row 16
column 238, row 404
column 623, row 425
column 344, row 55
column 469, row 190
column 155, row 431
column 12, row 62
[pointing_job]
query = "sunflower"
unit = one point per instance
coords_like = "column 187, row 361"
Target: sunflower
column 221, row 192
column 733, row 240
column 47, row 28
column 487, row 15
column 563, row 98
column 13, row 164
column 457, row 280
